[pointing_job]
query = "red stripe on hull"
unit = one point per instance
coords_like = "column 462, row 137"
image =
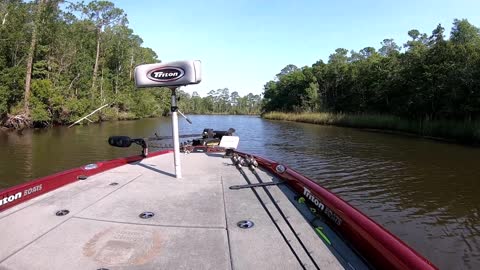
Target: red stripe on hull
column 17, row 194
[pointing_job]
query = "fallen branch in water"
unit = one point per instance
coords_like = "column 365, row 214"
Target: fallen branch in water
column 86, row 117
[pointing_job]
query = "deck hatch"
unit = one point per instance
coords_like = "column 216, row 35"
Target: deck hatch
column 62, row 212
column 245, row 224
column 146, row 215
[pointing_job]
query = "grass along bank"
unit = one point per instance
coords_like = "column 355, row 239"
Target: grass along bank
column 464, row 132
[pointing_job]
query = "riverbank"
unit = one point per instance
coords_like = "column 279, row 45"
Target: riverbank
column 99, row 118
column 454, row 131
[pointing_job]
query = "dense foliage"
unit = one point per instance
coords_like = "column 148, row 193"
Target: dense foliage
column 221, row 101
column 430, row 78
column 60, row 60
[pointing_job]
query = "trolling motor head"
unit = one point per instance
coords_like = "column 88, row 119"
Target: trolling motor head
column 124, row 141
column 173, row 74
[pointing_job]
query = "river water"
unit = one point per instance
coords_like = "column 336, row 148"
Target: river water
column 425, row 192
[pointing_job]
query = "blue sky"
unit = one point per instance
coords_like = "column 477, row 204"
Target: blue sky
column 243, row 43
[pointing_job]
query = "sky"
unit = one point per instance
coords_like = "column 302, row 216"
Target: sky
column 243, row 44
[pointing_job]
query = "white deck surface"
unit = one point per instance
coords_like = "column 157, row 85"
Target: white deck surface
column 194, row 226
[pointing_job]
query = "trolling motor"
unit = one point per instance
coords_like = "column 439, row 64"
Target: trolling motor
column 216, row 134
column 124, row 141
column 171, row 75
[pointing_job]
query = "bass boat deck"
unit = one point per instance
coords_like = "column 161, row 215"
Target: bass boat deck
column 132, row 213
column 194, row 222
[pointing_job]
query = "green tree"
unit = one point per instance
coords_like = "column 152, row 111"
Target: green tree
column 286, row 70
column 59, row 49
column 389, row 47
column 40, row 6
column 434, row 78
column 102, row 14
column 463, row 32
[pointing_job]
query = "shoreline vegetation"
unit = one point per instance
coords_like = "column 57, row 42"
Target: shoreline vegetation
column 430, row 86
column 217, row 102
column 443, row 130
column 120, row 117
column 59, row 61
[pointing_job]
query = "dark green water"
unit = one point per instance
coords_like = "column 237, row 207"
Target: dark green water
column 425, row 192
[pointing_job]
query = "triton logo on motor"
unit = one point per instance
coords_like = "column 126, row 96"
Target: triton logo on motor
column 165, row 74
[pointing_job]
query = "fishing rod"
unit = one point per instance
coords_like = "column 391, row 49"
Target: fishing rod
column 239, row 162
column 158, row 138
column 252, row 165
column 207, row 133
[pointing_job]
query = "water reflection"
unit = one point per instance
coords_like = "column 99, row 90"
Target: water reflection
column 16, row 155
